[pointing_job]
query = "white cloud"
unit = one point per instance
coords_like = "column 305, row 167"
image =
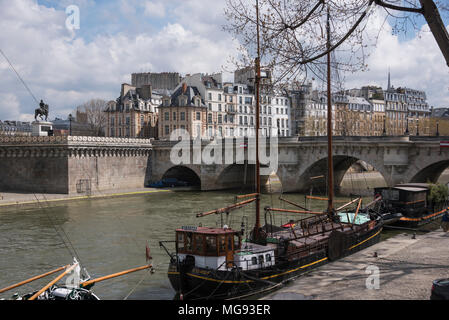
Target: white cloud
column 10, row 108
column 65, row 72
column 416, row 63
column 154, row 9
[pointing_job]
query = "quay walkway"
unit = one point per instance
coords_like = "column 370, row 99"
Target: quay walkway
column 8, row 199
column 406, row 269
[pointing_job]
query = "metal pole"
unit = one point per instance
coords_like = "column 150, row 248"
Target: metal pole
column 257, row 82
column 330, row 207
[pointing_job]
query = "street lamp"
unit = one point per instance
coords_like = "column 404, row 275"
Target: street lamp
column 70, row 124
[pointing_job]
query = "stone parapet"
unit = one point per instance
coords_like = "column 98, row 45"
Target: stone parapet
column 11, row 140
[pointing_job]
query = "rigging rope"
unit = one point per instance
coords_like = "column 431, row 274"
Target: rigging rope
column 69, row 249
column 18, row 75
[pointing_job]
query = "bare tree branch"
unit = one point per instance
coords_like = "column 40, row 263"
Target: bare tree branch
column 398, row 8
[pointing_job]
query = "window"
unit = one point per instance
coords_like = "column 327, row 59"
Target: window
column 198, row 116
column 112, row 121
column 219, row 107
column 189, row 241
column 268, row 257
column 198, row 243
column 174, row 115
column 180, row 241
column 209, row 118
column 220, row 118
column 166, row 116
column 167, row 129
column 261, row 259
column 221, row 244
column 219, row 97
column 128, row 121
column 183, row 115
column 229, row 242
column 254, row 260
column 210, row 96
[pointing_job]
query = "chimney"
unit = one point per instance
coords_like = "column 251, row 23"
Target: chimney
column 184, row 87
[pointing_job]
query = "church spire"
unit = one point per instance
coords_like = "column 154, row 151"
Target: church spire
column 389, row 80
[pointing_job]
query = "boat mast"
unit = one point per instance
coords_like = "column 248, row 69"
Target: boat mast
column 330, row 175
column 257, row 83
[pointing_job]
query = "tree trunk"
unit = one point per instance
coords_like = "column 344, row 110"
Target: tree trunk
column 436, row 26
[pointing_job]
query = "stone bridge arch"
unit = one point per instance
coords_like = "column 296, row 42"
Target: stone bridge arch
column 184, row 173
column 431, row 172
column 239, row 176
column 315, row 174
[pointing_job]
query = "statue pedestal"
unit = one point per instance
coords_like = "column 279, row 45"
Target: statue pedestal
column 41, row 128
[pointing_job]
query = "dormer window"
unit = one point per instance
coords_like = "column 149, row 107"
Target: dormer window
column 182, row 101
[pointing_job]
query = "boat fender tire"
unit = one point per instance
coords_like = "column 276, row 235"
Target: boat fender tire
column 337, row 244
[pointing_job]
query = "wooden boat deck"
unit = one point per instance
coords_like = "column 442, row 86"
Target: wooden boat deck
column 302, row 237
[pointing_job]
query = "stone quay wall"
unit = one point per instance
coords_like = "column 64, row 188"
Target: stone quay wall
column 71, row 165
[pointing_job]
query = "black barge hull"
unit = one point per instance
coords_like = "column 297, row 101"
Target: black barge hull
column 214, row 284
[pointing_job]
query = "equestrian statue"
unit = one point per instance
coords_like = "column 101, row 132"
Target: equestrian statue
column 41, row 111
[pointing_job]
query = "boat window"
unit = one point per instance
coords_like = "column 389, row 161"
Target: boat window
column 236, row 242
column 180, row 241
column 189, row 241
column 221, row 244
column 268, row 257
column 198, row 243
column 229, row 242
column 211, row 244
column 254, row 260
column 390, row 194
column 261, row 259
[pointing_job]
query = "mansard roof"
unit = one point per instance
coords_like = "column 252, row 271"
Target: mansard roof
column 191, row 94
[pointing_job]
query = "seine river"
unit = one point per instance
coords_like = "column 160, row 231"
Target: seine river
column 110, row 235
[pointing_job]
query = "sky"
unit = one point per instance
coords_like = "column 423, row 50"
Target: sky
column 116, row 38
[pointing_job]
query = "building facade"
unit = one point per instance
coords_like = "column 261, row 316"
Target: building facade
column 185, row 110
column 134, row 114
column 15, row 128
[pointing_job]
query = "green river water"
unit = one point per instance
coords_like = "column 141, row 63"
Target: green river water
column 110, row 235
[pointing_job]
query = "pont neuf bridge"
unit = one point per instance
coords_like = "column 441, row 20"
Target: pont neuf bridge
column 72, row 164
